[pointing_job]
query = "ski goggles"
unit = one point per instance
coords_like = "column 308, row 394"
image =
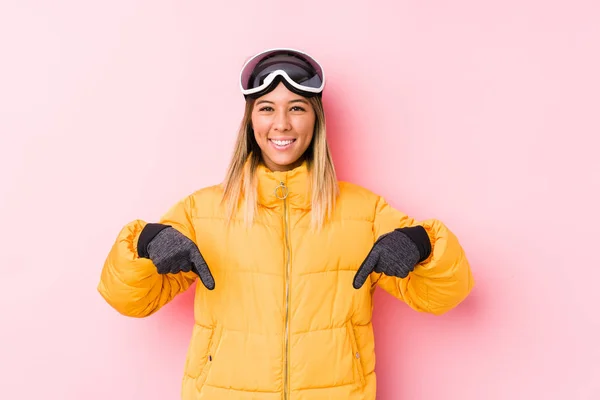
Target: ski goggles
column 298, row 71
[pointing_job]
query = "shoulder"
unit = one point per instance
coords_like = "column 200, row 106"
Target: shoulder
column 204, row 199
column 357, row 201
column 208, row 192
column 352, row 191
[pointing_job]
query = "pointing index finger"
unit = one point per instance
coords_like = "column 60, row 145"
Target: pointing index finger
column 365, row 269
column 202, row 270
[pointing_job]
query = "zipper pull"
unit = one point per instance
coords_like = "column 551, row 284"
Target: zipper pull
column 281, row 191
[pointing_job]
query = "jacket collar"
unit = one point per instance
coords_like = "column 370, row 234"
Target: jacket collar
column 272, row 187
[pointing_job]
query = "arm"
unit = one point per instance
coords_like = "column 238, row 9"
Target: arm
column 438, row 283
column 131, row 284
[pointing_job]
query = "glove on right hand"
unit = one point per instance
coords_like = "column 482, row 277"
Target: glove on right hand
column 172, row 252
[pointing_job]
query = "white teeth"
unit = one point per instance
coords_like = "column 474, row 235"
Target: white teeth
column 281, row 142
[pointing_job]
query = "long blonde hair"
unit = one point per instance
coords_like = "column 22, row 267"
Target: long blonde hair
column 240, row 184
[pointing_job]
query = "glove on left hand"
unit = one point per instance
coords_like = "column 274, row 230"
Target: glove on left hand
column 395, row 254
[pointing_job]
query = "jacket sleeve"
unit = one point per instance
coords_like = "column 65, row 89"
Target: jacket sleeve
column 132, row 285
column 440, row 282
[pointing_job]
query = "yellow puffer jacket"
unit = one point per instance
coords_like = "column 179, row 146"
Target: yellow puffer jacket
column 284, row 321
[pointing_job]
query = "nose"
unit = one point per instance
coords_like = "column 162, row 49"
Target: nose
column 281, row 122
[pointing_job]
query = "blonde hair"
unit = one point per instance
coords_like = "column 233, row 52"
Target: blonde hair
column 240, row 184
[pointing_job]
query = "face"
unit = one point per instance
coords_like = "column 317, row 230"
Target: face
column 283, row 124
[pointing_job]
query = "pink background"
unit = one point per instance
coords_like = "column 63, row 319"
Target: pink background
column 483, row 114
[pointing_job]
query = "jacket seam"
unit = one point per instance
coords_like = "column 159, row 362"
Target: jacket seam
column 332, row 328
column 234, row 220
column 336, row 220
column 349, row 270
column 240, row 390
column 326, row 387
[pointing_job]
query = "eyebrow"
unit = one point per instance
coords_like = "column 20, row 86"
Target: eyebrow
column 292, row 101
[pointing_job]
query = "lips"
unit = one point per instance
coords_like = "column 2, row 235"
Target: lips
column 281, row 144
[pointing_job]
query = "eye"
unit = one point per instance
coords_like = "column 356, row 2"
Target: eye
column 266, row 108
column 298, row 108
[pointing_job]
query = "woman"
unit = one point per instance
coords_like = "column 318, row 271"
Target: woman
column 288, row 257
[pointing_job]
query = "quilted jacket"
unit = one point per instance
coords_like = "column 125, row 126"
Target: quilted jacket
column 284, row 321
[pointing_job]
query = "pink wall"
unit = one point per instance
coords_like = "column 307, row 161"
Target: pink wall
column 483, row 115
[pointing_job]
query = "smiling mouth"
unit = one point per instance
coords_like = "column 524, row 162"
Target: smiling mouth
column 282, row 144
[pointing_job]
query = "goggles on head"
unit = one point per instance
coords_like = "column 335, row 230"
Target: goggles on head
column 298, row 71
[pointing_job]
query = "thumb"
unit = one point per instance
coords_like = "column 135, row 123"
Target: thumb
column 201, row 269
column 365, row 269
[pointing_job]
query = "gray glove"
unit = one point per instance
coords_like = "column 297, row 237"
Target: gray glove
column 172, row 252
column 395, row 254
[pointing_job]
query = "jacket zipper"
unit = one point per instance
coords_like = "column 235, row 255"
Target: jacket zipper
column 282, row 193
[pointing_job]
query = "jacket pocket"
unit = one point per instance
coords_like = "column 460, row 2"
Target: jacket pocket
column 358, row 368
column 211, row 353
column 197, row 349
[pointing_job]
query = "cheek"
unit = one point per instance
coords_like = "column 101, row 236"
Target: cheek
column 258, row 127
column 307, row 128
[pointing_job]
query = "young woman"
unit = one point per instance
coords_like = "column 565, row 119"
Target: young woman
column 287, row 256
